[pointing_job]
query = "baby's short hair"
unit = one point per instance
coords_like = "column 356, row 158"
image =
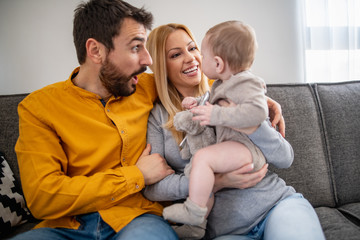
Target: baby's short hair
column 235, row 42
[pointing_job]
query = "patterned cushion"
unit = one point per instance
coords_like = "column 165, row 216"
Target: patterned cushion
column 13, row 211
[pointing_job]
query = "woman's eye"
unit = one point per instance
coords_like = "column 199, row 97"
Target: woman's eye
column 175, row 55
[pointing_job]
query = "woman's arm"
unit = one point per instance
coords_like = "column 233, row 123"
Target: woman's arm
column 171, row 188
column 267, row 139
column 273, row 145
column 275, row 148
column 174, row 186
column 240, row 178
column 276, row 117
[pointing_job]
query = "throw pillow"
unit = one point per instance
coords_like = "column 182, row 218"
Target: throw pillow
column 13, row 211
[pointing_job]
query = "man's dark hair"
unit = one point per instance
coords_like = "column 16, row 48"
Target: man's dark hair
column 101, row 20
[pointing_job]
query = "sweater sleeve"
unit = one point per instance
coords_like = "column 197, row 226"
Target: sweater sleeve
column 251, row 107
column 175, row 186
column 49, row 192
column 275, row 148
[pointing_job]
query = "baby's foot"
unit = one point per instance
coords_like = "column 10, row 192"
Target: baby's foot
column 187, row 212
column 190, row 232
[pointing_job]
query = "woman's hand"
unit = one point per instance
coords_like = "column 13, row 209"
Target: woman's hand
column 241, row 178
column 275, row 114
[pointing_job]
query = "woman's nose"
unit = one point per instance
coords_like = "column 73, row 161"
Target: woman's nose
column 189, row 57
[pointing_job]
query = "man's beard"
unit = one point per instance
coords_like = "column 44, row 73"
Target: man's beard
column 116, row 82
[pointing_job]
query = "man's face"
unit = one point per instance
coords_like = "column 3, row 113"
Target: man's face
column 128, row 59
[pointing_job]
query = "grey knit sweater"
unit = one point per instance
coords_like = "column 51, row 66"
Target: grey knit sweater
column 236, row 211
column 247, row 91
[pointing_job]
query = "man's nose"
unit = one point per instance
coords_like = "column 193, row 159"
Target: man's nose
column 146, row 58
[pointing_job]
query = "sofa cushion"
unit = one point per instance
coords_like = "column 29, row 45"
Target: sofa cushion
column 341, row 113
column 336, row 226
column 21, row 228
column 309, row 173
column 9, row 129
column 13, row 211
column 352, row 212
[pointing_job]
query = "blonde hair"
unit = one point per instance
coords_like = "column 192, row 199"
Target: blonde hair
column 235, row 42
column 168, row 94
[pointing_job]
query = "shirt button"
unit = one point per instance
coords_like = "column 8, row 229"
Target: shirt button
column 123, row 159
column 108, row 110
column 112, row 199
column 137, row 186
column 122, row 131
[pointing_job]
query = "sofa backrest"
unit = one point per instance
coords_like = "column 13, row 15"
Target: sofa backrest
column 340, row 109
column 9, row 128
column 310, row 171
column 323, row 126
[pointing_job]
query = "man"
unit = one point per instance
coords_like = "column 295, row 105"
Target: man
column 81, row 142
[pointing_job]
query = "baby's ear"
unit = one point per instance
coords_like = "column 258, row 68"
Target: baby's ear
column 220, row 64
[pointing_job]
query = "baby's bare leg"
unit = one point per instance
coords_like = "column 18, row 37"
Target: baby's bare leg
column 218, row 158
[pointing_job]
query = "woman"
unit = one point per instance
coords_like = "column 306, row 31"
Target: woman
column 177, row 72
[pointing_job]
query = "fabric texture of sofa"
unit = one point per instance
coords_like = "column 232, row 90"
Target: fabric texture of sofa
column 322, row 125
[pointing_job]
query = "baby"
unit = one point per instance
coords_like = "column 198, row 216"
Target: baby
column 228, row 51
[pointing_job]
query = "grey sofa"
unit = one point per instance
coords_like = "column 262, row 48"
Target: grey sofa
column 323, row 126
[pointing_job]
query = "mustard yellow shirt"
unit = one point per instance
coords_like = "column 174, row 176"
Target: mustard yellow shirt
column 77, row 156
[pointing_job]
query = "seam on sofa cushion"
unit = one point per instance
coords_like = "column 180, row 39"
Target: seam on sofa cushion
column 326, row 141
column 300, row 107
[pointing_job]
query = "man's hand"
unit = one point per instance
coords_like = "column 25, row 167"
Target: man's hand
column 153, row 167
column 276, row 116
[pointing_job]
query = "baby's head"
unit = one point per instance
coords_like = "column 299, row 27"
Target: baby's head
column 232, row 41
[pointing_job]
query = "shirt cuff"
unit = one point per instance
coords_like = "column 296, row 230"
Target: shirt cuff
column 134, row 178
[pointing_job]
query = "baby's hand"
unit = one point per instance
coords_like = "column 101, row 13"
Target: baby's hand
column 203, row 113
column 189, row 103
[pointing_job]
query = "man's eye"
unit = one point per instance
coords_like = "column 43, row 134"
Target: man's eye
column 136, row 48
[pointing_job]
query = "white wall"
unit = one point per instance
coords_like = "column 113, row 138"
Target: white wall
column 36, row 47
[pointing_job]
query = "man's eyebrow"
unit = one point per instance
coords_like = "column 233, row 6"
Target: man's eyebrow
column 140, row 39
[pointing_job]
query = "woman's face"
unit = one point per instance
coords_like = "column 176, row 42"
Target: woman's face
column 183, row 62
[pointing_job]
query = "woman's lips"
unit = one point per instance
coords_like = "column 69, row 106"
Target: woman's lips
column 191, row 71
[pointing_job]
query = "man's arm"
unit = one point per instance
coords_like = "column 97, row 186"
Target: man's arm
column 174, row 186
column 49, row 190
column 153, row 166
